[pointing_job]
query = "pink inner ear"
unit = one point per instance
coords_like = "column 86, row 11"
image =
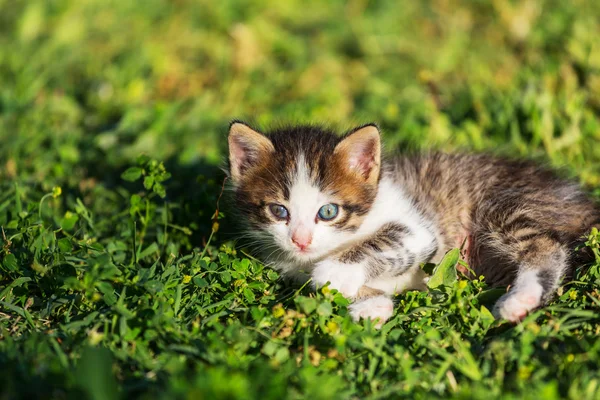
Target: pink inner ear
column 362, row 158
column 239, row 153
column 246, row 147
column 242, row 155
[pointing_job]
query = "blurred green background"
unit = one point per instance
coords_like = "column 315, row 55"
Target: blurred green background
column 108, row 288
column 103, row 81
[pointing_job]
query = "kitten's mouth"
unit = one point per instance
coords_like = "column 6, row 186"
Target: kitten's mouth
column 303, row 254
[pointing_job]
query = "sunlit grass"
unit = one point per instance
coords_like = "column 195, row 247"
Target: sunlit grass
column 109, row 282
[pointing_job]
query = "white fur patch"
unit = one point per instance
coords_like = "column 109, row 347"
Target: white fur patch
column 392, row 205
column 304, row 203
column 378, row 308
column 523, row 297
column 305, row 197
column 346, row 278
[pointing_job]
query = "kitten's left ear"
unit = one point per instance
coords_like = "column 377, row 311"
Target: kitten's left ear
column 361, row 152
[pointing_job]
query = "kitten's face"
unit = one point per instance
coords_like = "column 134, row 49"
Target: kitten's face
column 304, row 190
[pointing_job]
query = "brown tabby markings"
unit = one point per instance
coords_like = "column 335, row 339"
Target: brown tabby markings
column 515, row 212
column 514, row 218
column 267, row 182
column 388, row 237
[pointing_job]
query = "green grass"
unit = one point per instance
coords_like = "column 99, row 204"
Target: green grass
column 115, row 279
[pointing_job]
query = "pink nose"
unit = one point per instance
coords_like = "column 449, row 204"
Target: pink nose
column 302, row 241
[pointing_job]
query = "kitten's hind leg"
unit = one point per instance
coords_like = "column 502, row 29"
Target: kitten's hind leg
column 523, row 243
column 542, row 264
column 525, row 296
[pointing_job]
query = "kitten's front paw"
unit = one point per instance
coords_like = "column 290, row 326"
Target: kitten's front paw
column 515, row 305
column 346, row 278
column 380, row 308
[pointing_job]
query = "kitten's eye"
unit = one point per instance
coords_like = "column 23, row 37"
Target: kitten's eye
column 279, row 211
column 328, row 212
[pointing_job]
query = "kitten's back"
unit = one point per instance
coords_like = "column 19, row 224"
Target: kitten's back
column 463, row 192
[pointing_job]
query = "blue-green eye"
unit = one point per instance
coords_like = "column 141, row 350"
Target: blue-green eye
column 279, row 211
column 328, row 212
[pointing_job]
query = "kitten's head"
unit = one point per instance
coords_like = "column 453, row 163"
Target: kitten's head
column 304, row 189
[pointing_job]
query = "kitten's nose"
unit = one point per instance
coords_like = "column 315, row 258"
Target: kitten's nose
column 302, row 240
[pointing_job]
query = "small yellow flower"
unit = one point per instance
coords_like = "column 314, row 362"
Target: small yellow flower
column 332, row 327
column 56, row 191
column 278, row 311
column 573, row 295
column 187, row 279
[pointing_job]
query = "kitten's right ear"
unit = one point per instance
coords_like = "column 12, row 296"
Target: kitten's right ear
column 246, row 148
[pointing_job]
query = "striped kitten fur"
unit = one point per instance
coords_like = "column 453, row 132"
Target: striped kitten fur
column 332, row 209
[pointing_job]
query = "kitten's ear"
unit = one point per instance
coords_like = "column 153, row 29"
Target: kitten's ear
column 361, row 152
column 246, row 148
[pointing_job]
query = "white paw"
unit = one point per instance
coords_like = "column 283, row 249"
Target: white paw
column 515, row 305
column 525, row 296
column 378, row 308
column 346, row 278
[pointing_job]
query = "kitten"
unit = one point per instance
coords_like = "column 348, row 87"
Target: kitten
column 331, row 209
